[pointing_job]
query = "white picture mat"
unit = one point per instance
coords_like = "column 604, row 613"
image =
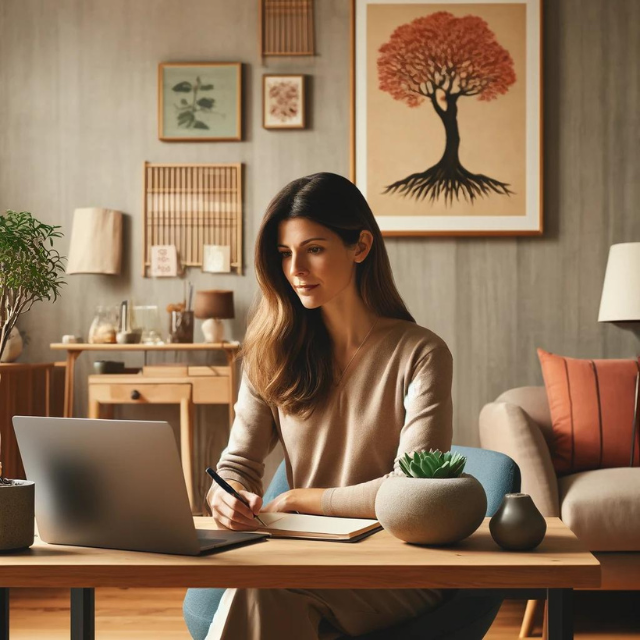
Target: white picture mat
column 531, row 220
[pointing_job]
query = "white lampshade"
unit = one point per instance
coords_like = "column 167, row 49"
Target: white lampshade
column 96, row 241
column 621, row 291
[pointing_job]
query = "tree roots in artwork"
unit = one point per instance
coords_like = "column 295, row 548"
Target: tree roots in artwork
column 448, row 181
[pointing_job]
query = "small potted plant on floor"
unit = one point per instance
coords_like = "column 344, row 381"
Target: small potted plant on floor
column 434, row 502
column 30, row 267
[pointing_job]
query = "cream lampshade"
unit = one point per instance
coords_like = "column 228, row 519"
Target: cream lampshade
column 213, row 306
column 96, row 241
column 620, row 300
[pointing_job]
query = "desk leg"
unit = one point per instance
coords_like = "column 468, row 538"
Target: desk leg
column 4, row 613
column 560, row 614
column 69, row 377
column 83, row 614
column 186, row 447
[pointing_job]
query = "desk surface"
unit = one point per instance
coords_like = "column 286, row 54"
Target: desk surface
column 174, row 346
column 380, row 561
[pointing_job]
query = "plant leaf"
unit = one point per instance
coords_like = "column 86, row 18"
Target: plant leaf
column 183, row 87
column 198, row 124
column 206, row 103
column 416, row 471
column 206, row 87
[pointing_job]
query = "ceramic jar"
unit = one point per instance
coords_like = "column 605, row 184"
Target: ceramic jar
column 16, row 515
column 432, row 511
column 517, row 525
column 13, row 348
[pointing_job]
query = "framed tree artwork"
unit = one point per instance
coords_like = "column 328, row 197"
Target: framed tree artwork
column 283, row 102
column 200, row 101
column 446, row 119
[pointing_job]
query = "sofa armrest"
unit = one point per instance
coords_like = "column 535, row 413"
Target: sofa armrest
column 507, row 428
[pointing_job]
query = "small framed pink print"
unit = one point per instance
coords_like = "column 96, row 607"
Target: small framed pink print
column 283, row 102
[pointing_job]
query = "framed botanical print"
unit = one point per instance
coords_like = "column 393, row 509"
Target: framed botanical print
column 200, row 101
column 283, row 102
column 446, row 118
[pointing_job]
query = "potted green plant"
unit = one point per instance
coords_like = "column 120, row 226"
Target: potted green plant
column 434, row 502
column 30, row 270
column 30, row 267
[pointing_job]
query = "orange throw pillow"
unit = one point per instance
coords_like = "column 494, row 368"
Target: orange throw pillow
column 592, row 404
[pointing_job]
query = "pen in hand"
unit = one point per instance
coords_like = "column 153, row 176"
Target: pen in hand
column 231, row 491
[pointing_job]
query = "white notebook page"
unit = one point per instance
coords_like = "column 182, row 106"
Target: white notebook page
column 313, row 524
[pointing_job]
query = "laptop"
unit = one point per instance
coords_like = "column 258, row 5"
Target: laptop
column 116, row 484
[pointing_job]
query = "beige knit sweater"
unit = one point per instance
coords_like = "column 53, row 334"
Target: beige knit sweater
column 394, row 397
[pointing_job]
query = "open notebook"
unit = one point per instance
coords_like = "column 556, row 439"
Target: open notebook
column 298, row 525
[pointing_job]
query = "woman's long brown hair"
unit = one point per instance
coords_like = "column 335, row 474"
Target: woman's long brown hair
column 288, row 352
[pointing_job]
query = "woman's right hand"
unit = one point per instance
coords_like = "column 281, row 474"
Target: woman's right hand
column 229, row 512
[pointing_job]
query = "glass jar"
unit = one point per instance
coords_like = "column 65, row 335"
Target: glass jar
column 104, row 326
column 181, row 327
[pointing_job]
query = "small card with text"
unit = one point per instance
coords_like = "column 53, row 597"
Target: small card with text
column 164, row 261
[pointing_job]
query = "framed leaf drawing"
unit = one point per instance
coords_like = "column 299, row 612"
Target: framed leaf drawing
column 283, row 103
column 446, row 119
column 200, row 101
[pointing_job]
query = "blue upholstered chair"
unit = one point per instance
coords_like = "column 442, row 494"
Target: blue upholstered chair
column 461, row 617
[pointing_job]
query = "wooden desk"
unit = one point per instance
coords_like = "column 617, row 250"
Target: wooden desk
column 74, row 351
column 559, row 565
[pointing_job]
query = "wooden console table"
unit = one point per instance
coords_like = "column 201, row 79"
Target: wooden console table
column 197, row 385
column 74, row 351
column 25, row 389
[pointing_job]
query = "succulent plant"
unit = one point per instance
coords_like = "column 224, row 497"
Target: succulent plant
column 432, row 464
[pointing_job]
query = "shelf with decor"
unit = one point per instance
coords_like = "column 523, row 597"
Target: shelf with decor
column 192, row 207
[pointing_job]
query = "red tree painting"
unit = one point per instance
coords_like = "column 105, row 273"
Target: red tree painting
column 440, row 58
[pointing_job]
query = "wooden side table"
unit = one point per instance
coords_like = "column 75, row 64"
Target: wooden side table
column 199, row 385
column 25, row 388
column 74, row 351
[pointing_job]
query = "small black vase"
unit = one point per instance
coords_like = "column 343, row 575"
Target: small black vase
column 517, row 525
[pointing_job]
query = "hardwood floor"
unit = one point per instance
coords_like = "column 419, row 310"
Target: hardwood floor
column 146, row 614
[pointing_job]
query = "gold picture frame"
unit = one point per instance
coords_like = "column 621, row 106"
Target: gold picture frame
column 200, row 101
column 283, row 101
column 397, row 152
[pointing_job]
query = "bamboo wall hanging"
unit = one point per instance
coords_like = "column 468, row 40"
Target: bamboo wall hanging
column 286, row 27
column 190, row 206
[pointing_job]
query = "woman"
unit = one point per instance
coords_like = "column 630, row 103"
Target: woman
column 336, row 369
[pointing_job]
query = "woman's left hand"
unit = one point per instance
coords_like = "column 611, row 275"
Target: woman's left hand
column 301, row 500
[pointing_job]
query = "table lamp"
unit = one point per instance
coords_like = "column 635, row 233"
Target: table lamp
column 620, row 302
column 96, row 241
column 213, row 306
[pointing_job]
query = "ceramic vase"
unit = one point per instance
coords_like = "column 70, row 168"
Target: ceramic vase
column 13, row 348
column 16, row 515
column 433, row 511
column 517, row 525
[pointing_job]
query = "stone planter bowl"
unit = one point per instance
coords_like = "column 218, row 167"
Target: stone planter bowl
column 16, row 515
column 433, row 511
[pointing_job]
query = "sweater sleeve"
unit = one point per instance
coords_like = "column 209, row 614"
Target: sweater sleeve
column 427, row 425
column 253, row 436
